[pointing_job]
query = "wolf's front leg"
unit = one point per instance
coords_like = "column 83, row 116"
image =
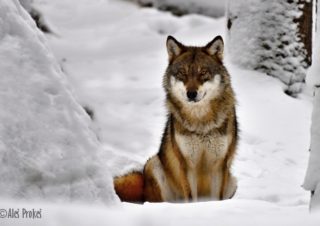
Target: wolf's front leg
column 229, row 186
column 193, row 183
column 157, row 188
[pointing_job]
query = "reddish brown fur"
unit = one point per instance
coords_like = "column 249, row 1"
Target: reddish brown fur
column 130, row 187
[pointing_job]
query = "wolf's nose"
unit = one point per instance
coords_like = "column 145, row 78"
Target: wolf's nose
column 192, row 95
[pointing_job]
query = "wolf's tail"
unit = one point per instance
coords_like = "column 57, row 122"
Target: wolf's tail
column 129, row 187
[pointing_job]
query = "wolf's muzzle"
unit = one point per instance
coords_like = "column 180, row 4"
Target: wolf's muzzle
column 192, row 95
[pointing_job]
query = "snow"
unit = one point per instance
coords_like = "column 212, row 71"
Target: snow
column 47, row 149
column 113, row 54
column 27, row 4
column 263, row 37
column 213, row 8
column 269, row 152
column 226, row 213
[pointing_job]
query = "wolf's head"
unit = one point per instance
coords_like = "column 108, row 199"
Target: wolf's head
column 195, row 74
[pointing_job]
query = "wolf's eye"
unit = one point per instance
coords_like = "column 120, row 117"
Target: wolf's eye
column 204, row 75
column 206, row 78
column 203, row 72
column 181, row 75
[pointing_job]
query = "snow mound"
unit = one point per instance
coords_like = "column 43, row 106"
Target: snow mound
column 47, row 149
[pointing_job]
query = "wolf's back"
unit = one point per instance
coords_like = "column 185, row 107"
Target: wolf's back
column 130, row 187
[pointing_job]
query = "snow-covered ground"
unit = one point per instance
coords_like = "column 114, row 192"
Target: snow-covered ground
column 226, row 213
column 114, row 56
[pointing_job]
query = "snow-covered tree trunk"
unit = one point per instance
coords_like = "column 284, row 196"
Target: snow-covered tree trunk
column 272, row 36
column 312, row 179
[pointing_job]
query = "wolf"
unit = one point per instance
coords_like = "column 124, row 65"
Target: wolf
column 201, row 133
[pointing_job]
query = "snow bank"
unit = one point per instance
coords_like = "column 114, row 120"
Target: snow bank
column 262, row 36
column 213, row 8
column 47, row 150
column 226, row 213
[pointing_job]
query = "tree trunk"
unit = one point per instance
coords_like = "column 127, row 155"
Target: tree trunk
column 305, row 28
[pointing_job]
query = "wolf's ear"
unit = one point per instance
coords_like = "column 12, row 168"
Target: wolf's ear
column 215, row 47
column 174, row 47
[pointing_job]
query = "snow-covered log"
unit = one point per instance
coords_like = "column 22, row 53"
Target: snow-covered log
column 47, row 149
column 272, row 36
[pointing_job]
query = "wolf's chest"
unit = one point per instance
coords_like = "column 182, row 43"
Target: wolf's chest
column 202, row 149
